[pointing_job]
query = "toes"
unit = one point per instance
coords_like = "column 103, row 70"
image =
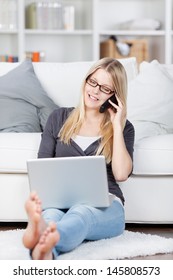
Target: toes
column 48, row 239
column 51, row 229
column 52, row 226
column 42, row 239
column 38, row 209
column 34, row 197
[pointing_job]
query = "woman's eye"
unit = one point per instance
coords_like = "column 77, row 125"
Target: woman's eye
column 106, row 89
column 93, row 82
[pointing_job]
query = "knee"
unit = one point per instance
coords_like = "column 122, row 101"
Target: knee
column 81, row 210
column 51, row 214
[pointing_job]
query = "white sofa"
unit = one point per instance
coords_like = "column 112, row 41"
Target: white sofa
column 149, row 191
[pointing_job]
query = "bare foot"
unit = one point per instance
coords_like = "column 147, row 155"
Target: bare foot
column 36, row 224
column 49, row 238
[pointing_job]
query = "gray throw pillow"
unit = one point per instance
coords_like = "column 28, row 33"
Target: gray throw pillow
column 24, row 104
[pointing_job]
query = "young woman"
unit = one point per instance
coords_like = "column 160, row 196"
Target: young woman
column 84, row 131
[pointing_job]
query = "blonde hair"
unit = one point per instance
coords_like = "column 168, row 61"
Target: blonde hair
column 73, row 123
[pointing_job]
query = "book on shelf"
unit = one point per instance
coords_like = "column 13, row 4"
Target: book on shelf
column 8, row 58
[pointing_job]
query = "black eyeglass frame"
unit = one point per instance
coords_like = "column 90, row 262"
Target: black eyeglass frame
column 100, row 86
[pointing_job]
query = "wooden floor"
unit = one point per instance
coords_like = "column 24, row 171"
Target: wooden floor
column 161, row 230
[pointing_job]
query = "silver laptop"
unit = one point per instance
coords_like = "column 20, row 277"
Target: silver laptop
column 63, row 182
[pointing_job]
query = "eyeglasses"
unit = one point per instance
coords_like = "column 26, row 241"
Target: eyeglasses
column 102, row 88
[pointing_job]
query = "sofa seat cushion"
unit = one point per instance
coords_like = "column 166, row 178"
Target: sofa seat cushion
column 154, row 155
column 15, row 149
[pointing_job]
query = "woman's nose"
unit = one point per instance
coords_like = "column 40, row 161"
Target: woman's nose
column 96, row 89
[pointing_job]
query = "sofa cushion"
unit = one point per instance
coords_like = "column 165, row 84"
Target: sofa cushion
column 64, row 80
column 154, row 155
column 24, row 104
column 150, row 101
column 15, row 149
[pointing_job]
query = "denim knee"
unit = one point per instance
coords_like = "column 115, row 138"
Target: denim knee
column 109, row 222
column 52, row 215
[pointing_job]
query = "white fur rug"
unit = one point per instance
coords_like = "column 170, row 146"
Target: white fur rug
column 129, row 244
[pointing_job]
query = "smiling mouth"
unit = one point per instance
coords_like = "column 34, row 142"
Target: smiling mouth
column 93, row 97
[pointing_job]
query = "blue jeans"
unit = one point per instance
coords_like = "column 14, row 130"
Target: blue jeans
column 82, row 222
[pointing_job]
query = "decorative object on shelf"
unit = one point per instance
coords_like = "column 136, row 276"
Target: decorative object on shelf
column 122, row 48
column 138, row 49
column 50, row 15
column 140, row 24
column 44, row 15
column 8, row 14
column 36, row 56
column 69, row 17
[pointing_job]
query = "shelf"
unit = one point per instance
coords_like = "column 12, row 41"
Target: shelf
column 95, row 20
column 8, row 31
column 58, row 32
column 133, row 32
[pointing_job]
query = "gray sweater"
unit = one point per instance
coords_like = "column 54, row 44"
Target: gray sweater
column 51, row 146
